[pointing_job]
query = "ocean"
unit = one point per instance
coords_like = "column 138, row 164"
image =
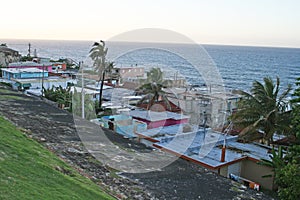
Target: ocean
column 238, row 66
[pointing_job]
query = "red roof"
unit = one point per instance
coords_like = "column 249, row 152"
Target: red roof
column 161, row 106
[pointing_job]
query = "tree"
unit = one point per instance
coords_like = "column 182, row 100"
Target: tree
column 155, row 75
column 89, row 105
column 98, row 55
column 286, row 172
column 264, row 110
column 152, row 88
column 296, row 110
column 288, row 181
column 276, row 163
column 58, row 94
column 287, row 167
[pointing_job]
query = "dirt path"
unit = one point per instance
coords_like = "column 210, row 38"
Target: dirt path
column 55, row 129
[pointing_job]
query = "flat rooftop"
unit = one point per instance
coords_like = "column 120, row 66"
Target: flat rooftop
column 22, row 70
column 206, row 148
column 46, row 79
column 29, row 63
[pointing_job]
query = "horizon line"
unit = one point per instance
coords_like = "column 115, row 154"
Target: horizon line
column 158, row 42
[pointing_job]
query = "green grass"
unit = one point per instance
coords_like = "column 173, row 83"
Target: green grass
column 29, row 171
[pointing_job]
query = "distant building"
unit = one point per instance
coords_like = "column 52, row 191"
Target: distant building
column 23, row 73
column 132, row 72
column 201, row 105
column 38, row 83
column 59, row 66
column 8, row 55
column 30, row 64
column 33, row 78
column 123, row 124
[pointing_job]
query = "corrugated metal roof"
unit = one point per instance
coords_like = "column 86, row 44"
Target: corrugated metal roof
column 206, row 148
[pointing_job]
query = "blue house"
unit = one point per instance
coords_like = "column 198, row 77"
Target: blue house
column 18, row 73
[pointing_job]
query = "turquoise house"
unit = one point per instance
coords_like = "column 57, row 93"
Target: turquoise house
column 124, row 125
column 27, row 73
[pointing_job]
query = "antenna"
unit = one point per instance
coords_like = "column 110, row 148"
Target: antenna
column 29, row 49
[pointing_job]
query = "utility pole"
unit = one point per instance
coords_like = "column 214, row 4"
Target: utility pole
column 43, row 82
column 82, row 90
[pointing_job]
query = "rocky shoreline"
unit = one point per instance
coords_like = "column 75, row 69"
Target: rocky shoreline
column 55, row 129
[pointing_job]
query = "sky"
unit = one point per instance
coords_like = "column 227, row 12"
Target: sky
column 231, row 22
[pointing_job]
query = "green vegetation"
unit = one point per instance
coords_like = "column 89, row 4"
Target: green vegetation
column 296, row 110
column 28, row 171
column 89, row 106
column 152, row 88
column 264, row 109
column 59, row 94
column 7, row 84
column 101, row 65
column 25, row 58
column 98, row 55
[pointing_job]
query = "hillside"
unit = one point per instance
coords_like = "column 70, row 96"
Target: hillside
column 54, row 128
column 29, row 171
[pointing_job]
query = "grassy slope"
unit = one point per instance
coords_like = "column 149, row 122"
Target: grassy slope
column 28, row 171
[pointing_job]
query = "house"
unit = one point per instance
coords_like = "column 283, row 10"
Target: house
column 131, row 72
column 158, row 119
column 59, row 66
column 161, row 106
column 123, row 124
column 217, row 152
column 39, row 83
column 201, row 104
column 107, row 91
column 23, row 73
column 152, row 136
column 30, row 64
column 33, row 78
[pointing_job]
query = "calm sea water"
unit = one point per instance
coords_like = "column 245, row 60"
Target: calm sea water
column 239, row 66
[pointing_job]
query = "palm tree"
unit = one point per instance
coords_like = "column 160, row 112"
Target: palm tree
column 98, row 55
column 109, row 71
column 153, row 88
column 296, row 110
column 263, row 110
column 155, row 75
column 153, row 92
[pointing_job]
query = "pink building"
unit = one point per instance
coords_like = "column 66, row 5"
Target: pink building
column 159, row 119
column 29, row 64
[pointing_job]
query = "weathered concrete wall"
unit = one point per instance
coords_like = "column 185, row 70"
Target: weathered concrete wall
column 255, row 172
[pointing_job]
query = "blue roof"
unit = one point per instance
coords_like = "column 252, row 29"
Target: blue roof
column 206, row 147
